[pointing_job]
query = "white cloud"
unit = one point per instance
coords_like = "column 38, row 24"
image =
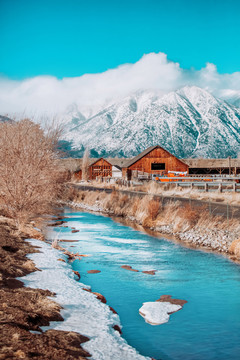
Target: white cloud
column 47, row 94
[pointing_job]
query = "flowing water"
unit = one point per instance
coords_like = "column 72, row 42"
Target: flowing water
column 208, row 326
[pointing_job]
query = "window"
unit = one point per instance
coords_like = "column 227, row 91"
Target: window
column 158, row 166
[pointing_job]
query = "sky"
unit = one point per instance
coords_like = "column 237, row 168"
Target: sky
column 67, row 46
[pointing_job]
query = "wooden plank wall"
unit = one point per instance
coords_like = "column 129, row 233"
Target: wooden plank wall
column 100, row 168
column 159, row 155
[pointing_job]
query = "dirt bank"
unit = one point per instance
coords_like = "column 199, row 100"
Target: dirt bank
column 24, row 310
column 193, row 227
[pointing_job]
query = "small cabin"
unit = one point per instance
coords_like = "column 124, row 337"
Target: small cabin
column 100, row 168
column 154, row 160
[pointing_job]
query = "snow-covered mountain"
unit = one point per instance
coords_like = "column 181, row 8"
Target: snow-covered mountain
column 4, row 119
column 189, row 122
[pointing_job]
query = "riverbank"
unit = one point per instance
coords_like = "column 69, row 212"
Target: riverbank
column 192, row 227
column 35, row 326
column 209, row 322
column 25, row 310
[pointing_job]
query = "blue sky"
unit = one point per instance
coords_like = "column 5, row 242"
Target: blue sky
column 73, row 37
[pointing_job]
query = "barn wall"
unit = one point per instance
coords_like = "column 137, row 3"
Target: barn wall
column 100, row 168
column 158, row 155
column 78, row 175
column 116, row 173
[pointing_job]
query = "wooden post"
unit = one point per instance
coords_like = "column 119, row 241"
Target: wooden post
column 234, row 186
column 220, row 187
column 228, row 214
column 206, row 187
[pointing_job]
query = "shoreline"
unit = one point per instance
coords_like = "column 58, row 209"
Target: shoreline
column 25, row 310
column 53, row 320
column 213, row 241
column 84, row 311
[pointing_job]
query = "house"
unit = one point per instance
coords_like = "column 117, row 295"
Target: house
column 153, row 160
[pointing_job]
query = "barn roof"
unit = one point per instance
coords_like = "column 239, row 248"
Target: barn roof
column 120, row 162
column 96, row 160
column 212, row 163
column 144, row 153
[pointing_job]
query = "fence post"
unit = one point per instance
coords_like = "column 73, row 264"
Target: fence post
column 228, row 214
column 234, row 186
column 206, row 187
column 220, row 187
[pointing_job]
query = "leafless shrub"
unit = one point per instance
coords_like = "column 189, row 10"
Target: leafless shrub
column 30, row 179
column 189, row 214
column 85, row 165
column 235, row 248
column 135, row 205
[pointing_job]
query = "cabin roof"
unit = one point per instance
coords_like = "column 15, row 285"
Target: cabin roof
column 144, row 153
column 91, row 163
column 120, row 162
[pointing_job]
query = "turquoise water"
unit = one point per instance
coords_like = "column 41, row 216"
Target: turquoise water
column 208, row 326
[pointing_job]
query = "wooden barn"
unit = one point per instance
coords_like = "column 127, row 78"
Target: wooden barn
column 109, row 167
column 100, row 168
column 226, row 166
column 154, row 160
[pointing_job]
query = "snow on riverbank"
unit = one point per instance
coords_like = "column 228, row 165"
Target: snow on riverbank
column 156, row 313
column 82, row 311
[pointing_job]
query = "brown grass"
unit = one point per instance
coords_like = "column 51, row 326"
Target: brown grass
column 153, row 209
column 235, row 248
column 151, row 214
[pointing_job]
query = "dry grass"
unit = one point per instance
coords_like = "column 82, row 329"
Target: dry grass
column 29, row 266
column 150, row 213
column 170, row 189
column 153, row 209
column 235, row 248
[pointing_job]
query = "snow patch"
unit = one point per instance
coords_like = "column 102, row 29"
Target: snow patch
column 82, row 312
column 156, row 313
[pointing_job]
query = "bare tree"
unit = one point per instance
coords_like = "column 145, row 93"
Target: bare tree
column 85, row 165
column 30, row 177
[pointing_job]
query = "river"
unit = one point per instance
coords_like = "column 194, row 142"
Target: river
column 207, row 327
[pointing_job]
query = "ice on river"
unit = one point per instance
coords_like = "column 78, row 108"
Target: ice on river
column 82, row 311
column 156, row 313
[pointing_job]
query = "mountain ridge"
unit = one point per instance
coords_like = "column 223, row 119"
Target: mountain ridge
column 189, row 122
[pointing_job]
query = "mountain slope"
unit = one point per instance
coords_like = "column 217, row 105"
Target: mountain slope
column 189, row 123
column 4, row 119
